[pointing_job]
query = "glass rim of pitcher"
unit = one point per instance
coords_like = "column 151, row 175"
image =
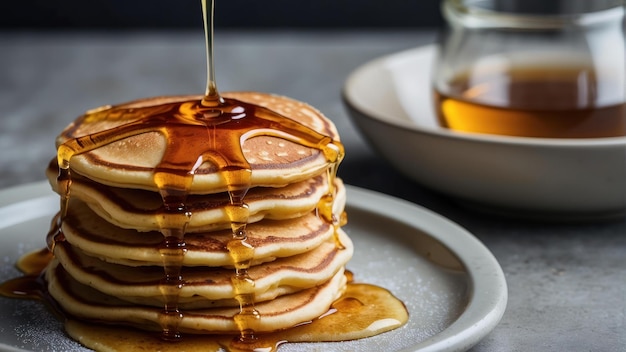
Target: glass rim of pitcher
column 458, row 12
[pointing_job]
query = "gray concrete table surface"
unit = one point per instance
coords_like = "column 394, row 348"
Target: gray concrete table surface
column 567, row 282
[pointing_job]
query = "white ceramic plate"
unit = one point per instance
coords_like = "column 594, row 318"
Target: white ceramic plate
column 452, row 285
column 390, row 100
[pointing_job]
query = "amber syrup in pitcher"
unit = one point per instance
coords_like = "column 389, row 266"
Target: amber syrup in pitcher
column 546, row 102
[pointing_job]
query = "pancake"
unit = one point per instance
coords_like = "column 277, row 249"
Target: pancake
column 141, row 210
column 332, row 327
column 97, row 237
column 283, row 312
column 207, row 286
column 131, row 162
column 179, row 215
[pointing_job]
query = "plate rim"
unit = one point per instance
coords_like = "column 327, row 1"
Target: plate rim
column 481, row 265
column 479, row 317
column 381, row 63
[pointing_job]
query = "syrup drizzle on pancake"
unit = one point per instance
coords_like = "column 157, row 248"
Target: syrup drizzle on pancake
column 212, row 129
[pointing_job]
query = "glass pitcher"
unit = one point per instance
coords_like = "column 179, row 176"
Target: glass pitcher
column 532, row 68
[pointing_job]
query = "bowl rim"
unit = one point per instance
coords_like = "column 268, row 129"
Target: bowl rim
column 402, row 123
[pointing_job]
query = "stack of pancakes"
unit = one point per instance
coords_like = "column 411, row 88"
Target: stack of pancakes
column 108, row 266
